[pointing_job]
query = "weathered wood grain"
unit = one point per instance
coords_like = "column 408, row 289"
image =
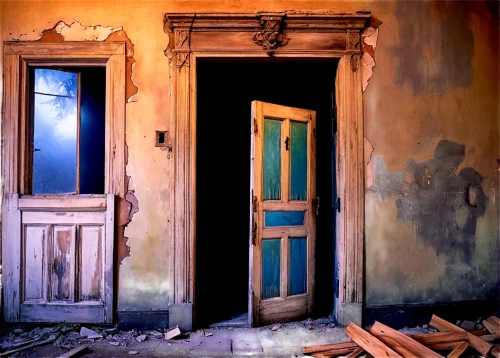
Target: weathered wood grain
column 474, row 341
column 368, row 342
column 381, row 331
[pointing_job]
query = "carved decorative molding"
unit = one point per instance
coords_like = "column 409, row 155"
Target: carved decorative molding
column 271, row 36
column 227, row 32
column 353, row 40
column 181, row 39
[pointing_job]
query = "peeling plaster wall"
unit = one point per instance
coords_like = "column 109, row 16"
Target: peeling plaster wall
column 435, row 77
column 432, row 119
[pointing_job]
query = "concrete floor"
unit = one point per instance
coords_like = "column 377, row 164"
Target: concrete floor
column 282, row 340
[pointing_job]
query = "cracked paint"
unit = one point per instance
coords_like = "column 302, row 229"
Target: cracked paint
column 368, row 152
column 369, row 38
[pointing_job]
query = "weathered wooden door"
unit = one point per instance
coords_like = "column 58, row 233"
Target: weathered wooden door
column 283, row 213
column 59, row 258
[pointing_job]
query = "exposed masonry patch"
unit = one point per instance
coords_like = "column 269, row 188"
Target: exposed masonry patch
column 128, row 205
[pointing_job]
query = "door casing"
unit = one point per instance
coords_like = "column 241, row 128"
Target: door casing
column 233, row 35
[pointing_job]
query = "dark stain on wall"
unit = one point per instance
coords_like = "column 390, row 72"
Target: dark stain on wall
column 434, row 56
column 441, row 206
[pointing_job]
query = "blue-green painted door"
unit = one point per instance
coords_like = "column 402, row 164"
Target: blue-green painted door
column 283, row 209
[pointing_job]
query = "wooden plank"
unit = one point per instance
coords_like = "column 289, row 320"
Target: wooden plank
column 11, row 257
column 444, row 346
column 474, row 341
column 350, row 346
column 64, row 217
column 381, row 331
column 368, row 342
column 489, row 337
column 494, row 320
column 439, row 337
column 75, row 351
column 491, row 325
column 355, row 353
column 32, row 345
column 62, row 203
column 495, row 352
column 335, row 353
column 457, row 352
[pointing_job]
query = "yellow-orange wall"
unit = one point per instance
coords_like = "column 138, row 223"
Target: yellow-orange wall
column 436, row 78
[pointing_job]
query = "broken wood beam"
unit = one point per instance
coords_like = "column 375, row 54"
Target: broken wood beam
column 404, row 345
column 489, row 337
column 439, row 337
column 445, row 346
column 495, row 352
column 492, row 325
column 344, row 347
column 75, row 351
column 368, row 342
column 333, row 352
column 475, row 342
column 457, row 352
column 355, row 353
column 51, row 339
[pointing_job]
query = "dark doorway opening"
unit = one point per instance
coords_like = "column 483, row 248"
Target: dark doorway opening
column 225, row 89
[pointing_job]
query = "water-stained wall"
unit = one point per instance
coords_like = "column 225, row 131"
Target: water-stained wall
column 431, row 129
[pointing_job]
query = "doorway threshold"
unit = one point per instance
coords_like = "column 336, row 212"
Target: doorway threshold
column 238, row 320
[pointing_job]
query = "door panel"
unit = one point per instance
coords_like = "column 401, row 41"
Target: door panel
column 66, row 259
column 283, row 213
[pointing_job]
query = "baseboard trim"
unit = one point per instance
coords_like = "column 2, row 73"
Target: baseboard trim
column 412, row 315
column 142, row 319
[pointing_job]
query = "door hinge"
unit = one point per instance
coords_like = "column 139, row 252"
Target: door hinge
column 338, row 204
column 254, row 232
column 287, row 143
column 255, row 127
column 315, row 203
column 254, row 204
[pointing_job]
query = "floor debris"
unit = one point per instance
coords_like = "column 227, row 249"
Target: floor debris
column 173, row 332
column 75, row 351
column 383, row 341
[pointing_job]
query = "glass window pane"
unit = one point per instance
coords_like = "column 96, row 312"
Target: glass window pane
column 284, row 218
column 271, row 258
column 298, row 161
column 298, row 266
column 272, row 159
column 55, row 137
column 55, row 82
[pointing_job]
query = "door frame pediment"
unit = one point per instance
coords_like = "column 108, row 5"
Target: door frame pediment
column 290, row 34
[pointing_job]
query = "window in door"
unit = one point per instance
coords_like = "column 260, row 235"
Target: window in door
column 68, row 126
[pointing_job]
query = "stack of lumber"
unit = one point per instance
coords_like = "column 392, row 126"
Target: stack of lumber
column 383, row 341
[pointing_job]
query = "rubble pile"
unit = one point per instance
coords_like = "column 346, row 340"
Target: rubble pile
column 383, row 341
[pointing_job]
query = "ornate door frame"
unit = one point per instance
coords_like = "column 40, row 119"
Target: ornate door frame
column 251, row 35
